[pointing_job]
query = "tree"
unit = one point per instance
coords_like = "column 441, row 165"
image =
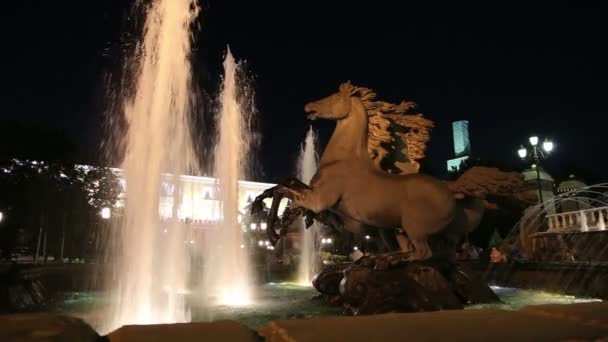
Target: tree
column 47, row 204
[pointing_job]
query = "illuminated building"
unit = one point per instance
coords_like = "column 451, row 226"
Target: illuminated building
column 199, row 203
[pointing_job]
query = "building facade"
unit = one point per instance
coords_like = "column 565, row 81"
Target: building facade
column 196, row 200
column 571, row 185
column 546, row 184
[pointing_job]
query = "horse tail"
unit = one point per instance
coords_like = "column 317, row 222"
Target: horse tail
column 483, row 182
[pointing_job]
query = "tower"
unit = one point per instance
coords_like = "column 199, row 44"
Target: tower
column 462, row 145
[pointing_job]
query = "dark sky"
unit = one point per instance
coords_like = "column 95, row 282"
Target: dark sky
column 510, row 68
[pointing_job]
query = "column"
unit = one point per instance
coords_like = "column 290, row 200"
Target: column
column 583, row 221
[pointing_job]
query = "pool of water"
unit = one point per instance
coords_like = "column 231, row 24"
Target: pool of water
column 514, row 299
column 289, row 301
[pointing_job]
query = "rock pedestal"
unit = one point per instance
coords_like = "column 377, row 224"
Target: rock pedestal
column 390, row 283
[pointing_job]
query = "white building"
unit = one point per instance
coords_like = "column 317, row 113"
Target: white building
column 199, row 202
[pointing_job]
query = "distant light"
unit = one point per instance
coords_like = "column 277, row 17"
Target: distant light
column 267, row 243
column 522, row 152
column 534, row 140
column 367, row 237
column 355, row 248
column 263, row 226
column 191, row 242
column 271, row 248
column 106, row 213
column 253, row 226
column 165, row 230
column 1, row 216
column 548, row 145
column 242, row 246
column 239, row 218
column 329, row 241
column 260, row 243
column 323, row 241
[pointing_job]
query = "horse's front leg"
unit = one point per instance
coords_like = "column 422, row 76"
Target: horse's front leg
column 287, row 189
column 322, row 194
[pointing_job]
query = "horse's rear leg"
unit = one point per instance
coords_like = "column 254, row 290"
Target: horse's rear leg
column 357, row 229
column 422, row 250
column 405, row 245
column 419, row 239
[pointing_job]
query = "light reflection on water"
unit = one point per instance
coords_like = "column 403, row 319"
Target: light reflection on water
column 514, row 299
column 291, row 300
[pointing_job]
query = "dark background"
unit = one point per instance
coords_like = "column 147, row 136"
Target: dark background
column 511, row 68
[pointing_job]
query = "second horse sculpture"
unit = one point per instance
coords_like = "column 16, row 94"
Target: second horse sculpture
column 350, row 183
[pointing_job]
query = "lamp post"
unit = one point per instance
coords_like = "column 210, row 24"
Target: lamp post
column 536, row 153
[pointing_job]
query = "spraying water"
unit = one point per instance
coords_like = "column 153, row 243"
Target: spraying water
column 227, row 275
column 148, row 277
column 307, row 167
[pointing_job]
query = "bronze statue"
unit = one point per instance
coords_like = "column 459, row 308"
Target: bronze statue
column 350, row 180
column 368, row 176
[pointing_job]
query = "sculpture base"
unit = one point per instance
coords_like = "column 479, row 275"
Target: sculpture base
column 390, row 283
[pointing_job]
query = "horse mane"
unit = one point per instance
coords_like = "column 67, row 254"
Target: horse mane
column 397, row 134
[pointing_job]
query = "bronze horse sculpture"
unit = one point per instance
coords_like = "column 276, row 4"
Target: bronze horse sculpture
column 349, row 183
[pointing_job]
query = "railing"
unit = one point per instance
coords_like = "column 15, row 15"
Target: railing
column 581, row 220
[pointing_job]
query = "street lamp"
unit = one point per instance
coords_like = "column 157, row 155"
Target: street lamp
column 548, row 146
column 327, row 241
column 536, row 154
column 522, row 152
column 533, row 140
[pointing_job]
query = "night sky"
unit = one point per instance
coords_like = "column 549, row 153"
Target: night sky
column 510, row 68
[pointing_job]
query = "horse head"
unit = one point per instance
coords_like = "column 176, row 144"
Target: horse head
column 334, row 107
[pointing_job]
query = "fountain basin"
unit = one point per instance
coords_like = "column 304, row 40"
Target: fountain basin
column 582, row 321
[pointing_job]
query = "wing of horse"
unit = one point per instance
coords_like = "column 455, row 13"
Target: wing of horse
column 487, row 183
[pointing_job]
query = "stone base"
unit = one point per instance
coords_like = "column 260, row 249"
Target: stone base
column 183, row 332
column 391, row 283
column 45, row 327
column 573, row 322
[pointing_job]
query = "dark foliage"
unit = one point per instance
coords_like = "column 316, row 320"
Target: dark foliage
column 59, row 201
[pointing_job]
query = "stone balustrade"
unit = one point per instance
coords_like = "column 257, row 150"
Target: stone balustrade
column 581, row 220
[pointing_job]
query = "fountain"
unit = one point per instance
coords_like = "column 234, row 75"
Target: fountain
column 307, row 166
column 226, row 274
column 149, row 275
